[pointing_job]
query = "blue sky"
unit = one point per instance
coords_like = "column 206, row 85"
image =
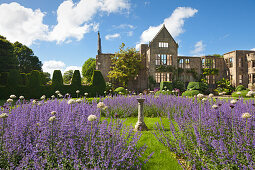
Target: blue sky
column 63, row 34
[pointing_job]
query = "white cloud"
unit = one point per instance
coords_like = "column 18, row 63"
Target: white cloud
column 51, row 65
column 253, row 49
column 112, row 36
column 74, row 20
column 124, row 26
column 174, row 24
column 22, row 24
column 199, row 49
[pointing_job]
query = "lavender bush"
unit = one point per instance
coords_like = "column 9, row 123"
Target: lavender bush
column 54, row 134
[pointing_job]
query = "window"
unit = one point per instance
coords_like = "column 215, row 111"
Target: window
column 214, row 63
column 253, row 63
column 253, row 78
column 187, row 63
column 240, row 62
column 230, row 62
column 157, row 59
column 208, row 63
column 169, row 60
column 203, row 62
column 240, row 79
column 230, row 78
column 213, row 79
column 180, row 63
column 163, row 77
column 208, row 79
column 163, row 59
column 163, row 44
column 249, row 78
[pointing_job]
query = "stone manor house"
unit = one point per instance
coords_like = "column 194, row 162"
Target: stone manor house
column 162, row 63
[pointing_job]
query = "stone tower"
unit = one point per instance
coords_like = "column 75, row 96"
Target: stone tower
column 99, row 51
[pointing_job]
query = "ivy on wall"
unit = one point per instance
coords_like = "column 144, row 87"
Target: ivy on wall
column 210, row 71
column 165, row 68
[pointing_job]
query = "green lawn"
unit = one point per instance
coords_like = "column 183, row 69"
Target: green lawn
column 162, row 158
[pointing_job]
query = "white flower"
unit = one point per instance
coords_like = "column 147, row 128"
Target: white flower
column 21, row 97
column 3, row 115
column 167, row 90
column 52, row 118
column 53, row 113
column 78, row 101
column 12, row 96
column 190, row 89
column 39, row 104
column 67, row 94
column 60, row 95
column 200, row 96
column 224, row 92
column 220, row 94
column 9, row 100
column 53, row 96
column 104, row 92
column 215, row 106
column 92, row 118
column 100, row 105
column 246, row 115
column 238, row 93
column 210, row 95
column 57, row 92
column 204, row 99
column 173, row 91
column 85, row 94
column 140, row 94
column 43, row 97
column 248, row 95
column 77, row 91
column 71, row 101
column 34, row 101
column 233, row 101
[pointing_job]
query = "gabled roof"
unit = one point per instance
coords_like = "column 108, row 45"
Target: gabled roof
column 161, row 30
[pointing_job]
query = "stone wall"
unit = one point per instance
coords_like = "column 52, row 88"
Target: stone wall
column 103, row 63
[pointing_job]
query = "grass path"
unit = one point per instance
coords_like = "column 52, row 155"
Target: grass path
column 162, row 159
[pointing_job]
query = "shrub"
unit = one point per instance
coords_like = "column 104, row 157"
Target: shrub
column 224, row 85
column 240, row 88
column 23, row 79
column 34, row 85
column 167, row 84
column 120, row 90
column 163, row 92
column 190, row 93
column 76, row 79
column 4, row 78
column 177, row 84
column 57, row 79
column 13, row 78
column 243, row 93
column 98, row 83
column 193, row 86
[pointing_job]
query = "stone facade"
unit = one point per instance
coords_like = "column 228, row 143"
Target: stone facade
column 162, row 63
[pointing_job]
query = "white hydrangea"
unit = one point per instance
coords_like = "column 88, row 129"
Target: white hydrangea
column 43, row 97
column 78, row 101
column 9, row 100
column 52, row 118
column 77, row 91
column 200, row 96
column 12, row 96
column 92, row 118
column 3, row 115
column 71, row 101
column 233, row 101
column 21, row 97
column 246, row 115
column 215, row 106
column 100, row 105
column 210, row 95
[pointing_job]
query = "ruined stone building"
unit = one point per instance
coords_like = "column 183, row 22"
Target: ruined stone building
column 162, row 63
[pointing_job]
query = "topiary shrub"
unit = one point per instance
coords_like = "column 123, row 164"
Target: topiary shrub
column 243, row 93
column 76, row 79
column 120, row 90
column 177, row 84
column 193, row 86
column 166, row 85
column 13, row 79
column 4, row 78
column 34, row 85
column 163, row 92
column 23, row 79
column 57, row 79
column 190, row 93
column 98, row 83
column 240, row 88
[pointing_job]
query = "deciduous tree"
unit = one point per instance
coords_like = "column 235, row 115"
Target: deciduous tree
column 68, row 76
column 88, row 68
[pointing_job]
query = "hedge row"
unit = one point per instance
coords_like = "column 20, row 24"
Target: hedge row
column 30, row 86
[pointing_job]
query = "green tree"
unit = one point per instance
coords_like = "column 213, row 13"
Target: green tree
column 68, row 76
column 217, row 55
column 88, row 68
column 7, row 60
column 26, row 58
column 45, row 77
column 126, row 65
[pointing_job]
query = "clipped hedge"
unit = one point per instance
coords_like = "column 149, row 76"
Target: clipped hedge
column 240, row 88
column 243, row 93
column 120, row 90
column 13, row 78
column 57, row 79
column 190, row 93
column 178, row 84
column 4, row 78
column 98, row 83
column 167, row 84
column 163, row 92
column 193, row 86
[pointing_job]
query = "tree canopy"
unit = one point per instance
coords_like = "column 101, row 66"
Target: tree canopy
column 26, row 58
column 8, row 61
column 67, row 77
column 88, row 68
column 126, row 64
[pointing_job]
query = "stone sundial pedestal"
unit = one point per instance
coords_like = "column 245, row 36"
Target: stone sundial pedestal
column 140, row 125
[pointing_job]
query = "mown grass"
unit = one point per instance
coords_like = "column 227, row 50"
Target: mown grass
column 162, row 158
